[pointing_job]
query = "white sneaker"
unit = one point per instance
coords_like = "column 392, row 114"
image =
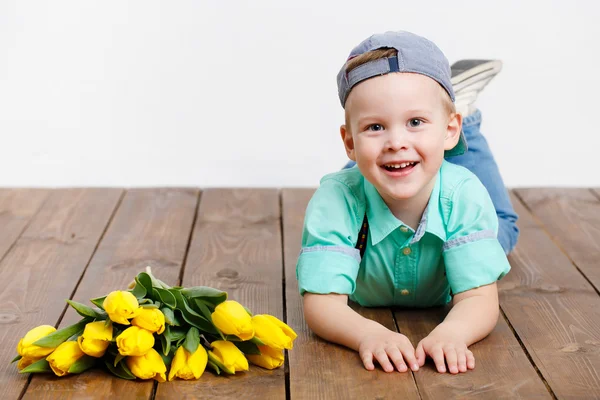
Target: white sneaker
column 469, row 77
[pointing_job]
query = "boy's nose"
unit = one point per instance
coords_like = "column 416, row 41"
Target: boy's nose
column 397, row 140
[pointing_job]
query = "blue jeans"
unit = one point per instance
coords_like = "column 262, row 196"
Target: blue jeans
column 479, row 160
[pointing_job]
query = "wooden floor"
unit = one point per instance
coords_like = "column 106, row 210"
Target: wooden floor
column 84, row 243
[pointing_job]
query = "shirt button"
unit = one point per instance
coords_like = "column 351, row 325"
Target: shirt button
column 404, row 228
column 404, row 292
column 406, row 251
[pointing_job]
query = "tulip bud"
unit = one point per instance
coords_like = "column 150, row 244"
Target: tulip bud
column 229, row 355
column 188, row 366
column 95, row 338
column 135, row 341
column 232, row 319
column 273, row 332
column 65, row 355
column 25, row 347
column 121, row 306
column 151, row 319
column 148, row 366
column 269, row 358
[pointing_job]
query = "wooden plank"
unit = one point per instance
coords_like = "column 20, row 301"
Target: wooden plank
column 555, row 312
column 44, row 265
column 502, row 369
column 17, row 207
column 320, row 370
column 572, row 218
column 236, row 247
column 151, row 227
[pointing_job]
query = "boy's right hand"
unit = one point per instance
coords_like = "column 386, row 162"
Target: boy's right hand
column 387, row 347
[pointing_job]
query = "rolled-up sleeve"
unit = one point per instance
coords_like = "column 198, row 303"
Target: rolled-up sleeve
column 473, row 255
column 328, row 261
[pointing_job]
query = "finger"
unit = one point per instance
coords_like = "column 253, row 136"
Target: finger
column 451, row 359
column 409, row 356
column 420, row 354
column 396, row 356
column 462, row 360
column 367, row 359
column 438, row 358
column 470, row 359
column 382, row 357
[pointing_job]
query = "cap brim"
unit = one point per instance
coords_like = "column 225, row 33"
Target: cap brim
column 460, row 148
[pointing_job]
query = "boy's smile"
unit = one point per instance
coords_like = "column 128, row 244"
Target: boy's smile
column 397, row 129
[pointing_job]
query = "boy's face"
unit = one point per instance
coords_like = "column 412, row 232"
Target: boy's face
column 397, row 131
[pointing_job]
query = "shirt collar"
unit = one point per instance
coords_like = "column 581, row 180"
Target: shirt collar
column 382, row 222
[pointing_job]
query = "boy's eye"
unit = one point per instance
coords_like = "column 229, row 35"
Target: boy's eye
column 415, row 122
column 375, row 127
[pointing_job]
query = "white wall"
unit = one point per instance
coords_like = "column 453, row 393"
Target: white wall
column 242, row 93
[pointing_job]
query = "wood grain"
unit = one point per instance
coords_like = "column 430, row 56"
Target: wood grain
column 236, row 247
column 17, row 207
column 572, row 218
column 555, row 312
column 502, row 370
column 321, row 370
column 43, row 267
column 151, row 227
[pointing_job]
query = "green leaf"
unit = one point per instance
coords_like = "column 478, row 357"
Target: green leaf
column 83, row 364
column 192, row 340
column 17, row 358
column 38, row 366
column 257, row 341
column 214, row 367
column 177, row 334
column 232, row 338
column 214, row 360
column 247, row 347
column 139, row 291
column 248, row 311
column 191, row 316
column 118, row 359
column 165, row 297
column 165, row 341
column 168, row 359
column 201, row 304
column 212, row 295
column 61, row 335
column 146, row 281
column 99, row 301
column 120, row 370
column 149, row 305
column 170, row 318
column 145, row 301
column 86, row 311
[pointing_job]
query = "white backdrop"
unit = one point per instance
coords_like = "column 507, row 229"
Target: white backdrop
column 242, row 93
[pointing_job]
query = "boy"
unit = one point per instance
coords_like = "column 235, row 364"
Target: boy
column 405, row 227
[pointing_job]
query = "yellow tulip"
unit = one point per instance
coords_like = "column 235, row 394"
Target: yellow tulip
column 269, row 358
column 273, row 332
column 135, row 341
column 65, row 355
column 121, row 306
column 26, row 362
column 95, row 338
column 25, row 347
column 229, row 355
column 188, row 366
column 148, row 366
column 232, row 319
column 151, row 319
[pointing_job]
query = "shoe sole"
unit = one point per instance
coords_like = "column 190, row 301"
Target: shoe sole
column 465, row 71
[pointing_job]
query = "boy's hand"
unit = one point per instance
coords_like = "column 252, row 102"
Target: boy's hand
column 387, row 347
column 446, row 344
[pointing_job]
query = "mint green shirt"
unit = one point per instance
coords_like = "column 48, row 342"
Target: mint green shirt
column 454, row 248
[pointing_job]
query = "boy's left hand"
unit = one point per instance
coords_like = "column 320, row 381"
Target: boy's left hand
column 446, row 346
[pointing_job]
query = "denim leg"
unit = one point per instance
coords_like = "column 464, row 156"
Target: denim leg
column 479, row 160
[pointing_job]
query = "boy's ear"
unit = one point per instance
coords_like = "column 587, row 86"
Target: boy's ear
column 453, row 131
column 348, row 142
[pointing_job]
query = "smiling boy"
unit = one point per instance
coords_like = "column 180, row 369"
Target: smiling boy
column 405, row 228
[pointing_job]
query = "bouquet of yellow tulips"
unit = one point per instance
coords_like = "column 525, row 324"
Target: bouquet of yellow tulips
column 151, row 328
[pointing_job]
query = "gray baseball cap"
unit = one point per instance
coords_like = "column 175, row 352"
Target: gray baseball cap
column 415, row 54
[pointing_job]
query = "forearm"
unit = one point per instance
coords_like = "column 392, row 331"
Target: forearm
column 330, row 317
column 474, row 317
